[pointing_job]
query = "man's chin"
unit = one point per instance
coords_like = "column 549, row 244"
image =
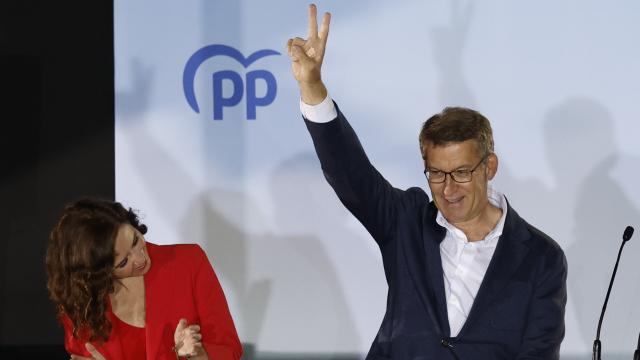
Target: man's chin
column 453, row 216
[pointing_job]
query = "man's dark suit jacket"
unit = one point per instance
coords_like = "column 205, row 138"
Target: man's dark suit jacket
column 518, row 312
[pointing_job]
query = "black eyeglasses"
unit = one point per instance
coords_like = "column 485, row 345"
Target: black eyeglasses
column 459, row 176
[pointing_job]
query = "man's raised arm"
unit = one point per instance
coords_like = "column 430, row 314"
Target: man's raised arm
column 345, row 165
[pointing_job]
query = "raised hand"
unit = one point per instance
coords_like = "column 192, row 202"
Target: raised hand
column 307, row 55
column 187, row 339
column 95, row 355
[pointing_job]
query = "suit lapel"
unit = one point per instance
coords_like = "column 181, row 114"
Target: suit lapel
column 435, row 274
column 510, row 251
column 424, row 264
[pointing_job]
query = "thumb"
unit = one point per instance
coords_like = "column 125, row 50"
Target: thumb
column 182, row 324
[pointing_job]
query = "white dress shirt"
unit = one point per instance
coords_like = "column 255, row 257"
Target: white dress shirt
column 321, row 113
column 464, row 263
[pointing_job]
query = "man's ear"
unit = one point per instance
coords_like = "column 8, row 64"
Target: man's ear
column 492, row 166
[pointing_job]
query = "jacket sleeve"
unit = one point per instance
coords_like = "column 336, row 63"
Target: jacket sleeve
column 359, row 186
column 545, row 322
column 219, row 334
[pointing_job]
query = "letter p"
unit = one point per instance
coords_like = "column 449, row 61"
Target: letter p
column 219, row 101
column 252, row 100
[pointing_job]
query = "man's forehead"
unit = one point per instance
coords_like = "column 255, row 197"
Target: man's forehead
column 450, row 149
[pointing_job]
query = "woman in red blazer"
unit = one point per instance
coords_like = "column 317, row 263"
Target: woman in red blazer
column 119, row 297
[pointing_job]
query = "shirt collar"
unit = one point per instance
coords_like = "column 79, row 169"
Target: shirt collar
column 496, row 199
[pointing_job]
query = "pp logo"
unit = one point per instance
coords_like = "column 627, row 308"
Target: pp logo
column 251, row 77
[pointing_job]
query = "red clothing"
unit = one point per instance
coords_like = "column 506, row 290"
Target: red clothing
column 132, row 340
column 180, row 284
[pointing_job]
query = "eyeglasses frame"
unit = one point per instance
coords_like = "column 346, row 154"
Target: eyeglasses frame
column 450, row 173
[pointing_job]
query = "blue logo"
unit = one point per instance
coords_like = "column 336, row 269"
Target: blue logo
column 219, row 101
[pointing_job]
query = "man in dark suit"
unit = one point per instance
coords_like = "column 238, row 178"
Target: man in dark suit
column 468, row 278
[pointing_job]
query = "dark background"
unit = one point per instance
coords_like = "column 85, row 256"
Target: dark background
column 56, row 144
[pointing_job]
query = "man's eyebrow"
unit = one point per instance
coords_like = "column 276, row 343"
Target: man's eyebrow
column 461, row 167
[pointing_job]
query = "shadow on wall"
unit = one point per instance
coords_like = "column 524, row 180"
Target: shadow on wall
column 132, row 106
column 228, row 248
column 448, row 46
column 306, row 208
column 297, row 285
column 585, row 158
column 587, row 211
column 284, row 285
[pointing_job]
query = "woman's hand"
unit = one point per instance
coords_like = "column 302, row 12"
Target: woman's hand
column 95, row 355
column 187, row 339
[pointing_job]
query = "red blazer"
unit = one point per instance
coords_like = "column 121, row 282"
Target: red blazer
column 180, row 284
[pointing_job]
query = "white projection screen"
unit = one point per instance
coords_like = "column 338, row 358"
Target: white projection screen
column 211, row 147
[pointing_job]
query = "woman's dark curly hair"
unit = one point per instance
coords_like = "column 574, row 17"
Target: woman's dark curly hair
column 80, row 262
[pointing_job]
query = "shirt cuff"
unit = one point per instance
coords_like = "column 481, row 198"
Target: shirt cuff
column 321, row 113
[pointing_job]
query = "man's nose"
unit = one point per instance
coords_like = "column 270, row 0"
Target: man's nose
column 449, row 185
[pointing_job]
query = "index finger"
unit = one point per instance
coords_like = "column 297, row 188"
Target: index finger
column 93, row 351
column 313, row 22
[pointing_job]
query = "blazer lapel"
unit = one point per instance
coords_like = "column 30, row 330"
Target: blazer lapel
column 156, row 298
column 435, row 274
column 510, row 251
column 425, row 267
